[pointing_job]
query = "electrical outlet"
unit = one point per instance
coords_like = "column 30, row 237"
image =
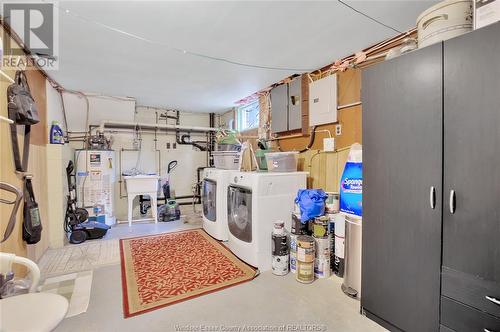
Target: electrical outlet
column 338, row 130
column 174, row 145
column 168, row 145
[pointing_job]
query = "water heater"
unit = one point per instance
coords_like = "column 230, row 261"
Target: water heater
column 95, row 179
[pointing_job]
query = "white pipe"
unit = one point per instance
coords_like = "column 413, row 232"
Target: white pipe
column 107, row 123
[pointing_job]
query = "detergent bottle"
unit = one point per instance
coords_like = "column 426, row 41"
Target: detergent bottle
column 56, row 134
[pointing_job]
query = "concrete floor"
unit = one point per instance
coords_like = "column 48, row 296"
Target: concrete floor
column 265, row 303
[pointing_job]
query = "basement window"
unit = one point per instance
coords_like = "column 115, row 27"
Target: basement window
column 248, row 116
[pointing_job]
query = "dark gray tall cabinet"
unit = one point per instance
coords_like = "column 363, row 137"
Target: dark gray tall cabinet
column 431, row 196
column 402, row 163
column 471, row 210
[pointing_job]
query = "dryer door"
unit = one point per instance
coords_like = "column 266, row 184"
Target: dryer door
column 209, row 199
column 239, row 208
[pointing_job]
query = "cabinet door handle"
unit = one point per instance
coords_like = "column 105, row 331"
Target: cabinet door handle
column 452, row 201
column 432, row 197
column 492, row 299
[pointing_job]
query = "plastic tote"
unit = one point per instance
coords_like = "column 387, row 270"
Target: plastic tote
column 281, row 161
column 226, row 159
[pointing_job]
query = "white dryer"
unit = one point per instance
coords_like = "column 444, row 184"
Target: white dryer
column 214, row 202
column 255, row 201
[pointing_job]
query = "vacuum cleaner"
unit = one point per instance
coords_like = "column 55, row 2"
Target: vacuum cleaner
column 76, row 222
column 169, row 211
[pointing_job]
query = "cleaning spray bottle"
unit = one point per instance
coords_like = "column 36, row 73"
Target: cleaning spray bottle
column 56, row 134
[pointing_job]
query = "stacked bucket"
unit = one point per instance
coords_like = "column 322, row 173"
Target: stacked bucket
column 298, row 229
column 336, row 230
column 316, row 248
column 280, row 249
column 322, row 239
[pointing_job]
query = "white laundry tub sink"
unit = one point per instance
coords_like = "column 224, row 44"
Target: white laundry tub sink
column 141, row 184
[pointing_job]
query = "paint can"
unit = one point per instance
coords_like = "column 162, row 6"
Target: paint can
column 298, row 228
column 323, row 247
column 305, row 272
column 331, row 230
column 320, row 227
column 280, row 265
column 305, row 249
column 332, row 202
column 322, row 268
column 293, row 253
column 339, row 263
column 293, row 243
column 293, row 262
column 280, row 251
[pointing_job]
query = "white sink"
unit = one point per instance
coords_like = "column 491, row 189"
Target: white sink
column 141, row 184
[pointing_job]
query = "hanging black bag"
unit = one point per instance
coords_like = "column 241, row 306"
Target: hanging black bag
column 23, row 111
column 32, row 224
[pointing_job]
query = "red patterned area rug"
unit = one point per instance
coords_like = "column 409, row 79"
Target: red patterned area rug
column 164, row 269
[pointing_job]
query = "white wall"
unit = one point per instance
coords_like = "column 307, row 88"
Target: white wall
column 57, row 160
column 54, row 108
column 189, row 159
column 100, row 108
column 150, row 159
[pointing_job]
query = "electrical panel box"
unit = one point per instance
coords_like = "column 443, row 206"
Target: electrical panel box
column 286, row 106
column 279, row 108
column 323, row 101
column 295, row 104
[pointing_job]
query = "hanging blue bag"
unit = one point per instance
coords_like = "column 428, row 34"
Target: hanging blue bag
column 311, row 203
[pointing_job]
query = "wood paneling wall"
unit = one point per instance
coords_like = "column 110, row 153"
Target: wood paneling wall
column 325, row 168
column 37, row 166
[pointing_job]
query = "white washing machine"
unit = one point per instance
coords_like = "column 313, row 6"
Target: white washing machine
column 255, row 201
column 214, row 202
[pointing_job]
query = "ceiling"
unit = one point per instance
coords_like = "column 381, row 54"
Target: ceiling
column 95, row 57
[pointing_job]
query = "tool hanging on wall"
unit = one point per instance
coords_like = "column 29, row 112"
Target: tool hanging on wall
column 16, row 202
column 22, row 110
